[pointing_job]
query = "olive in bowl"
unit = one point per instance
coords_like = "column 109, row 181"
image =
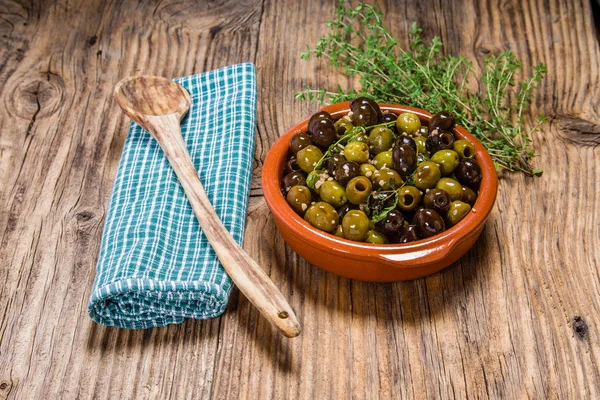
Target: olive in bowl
column 405, row 254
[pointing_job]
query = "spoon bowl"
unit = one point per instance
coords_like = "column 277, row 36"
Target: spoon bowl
column 168, row 97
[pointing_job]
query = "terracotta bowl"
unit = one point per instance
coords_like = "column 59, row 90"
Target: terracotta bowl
column 370, row 262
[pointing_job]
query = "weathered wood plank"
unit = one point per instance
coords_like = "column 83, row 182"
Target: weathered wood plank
column 497, row 324
column 61, row 142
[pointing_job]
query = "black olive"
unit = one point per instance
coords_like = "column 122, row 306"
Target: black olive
column 299, row 141
column 408, row 234
column 291, row 165
column 293, row 179
column 468, row 172
column 442, row 141
column 346, row 171
column 387, row 116
column 442, row 120
column 469, row 195
column 404, row 159
column 316, row 118
column 323, row 133
column 391, row 224
column 407, row 140
column 438, row 200
column 365, row 100
column 364, row 111
column 343, row 210
column 428, row 222
column 364, row 115
column 333, row 162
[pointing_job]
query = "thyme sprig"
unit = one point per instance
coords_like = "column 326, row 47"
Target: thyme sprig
column 422, row 76
column 379, row 214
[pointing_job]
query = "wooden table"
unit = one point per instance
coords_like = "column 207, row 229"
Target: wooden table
column 499, row 323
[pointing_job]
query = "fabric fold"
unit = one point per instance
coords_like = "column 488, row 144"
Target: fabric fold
column 155, row 265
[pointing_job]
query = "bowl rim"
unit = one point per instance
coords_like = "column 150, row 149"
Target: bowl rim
column 410, row 254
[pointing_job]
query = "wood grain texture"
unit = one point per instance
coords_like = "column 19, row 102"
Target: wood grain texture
column 497, row 324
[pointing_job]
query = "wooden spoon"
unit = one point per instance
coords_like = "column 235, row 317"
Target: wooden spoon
column 158, row 105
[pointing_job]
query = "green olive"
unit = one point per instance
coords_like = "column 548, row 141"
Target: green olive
column 355, row 225
column 333, row 193
column 409, row 198
column 367, row 170
column 464, row 148
column 447, row 160
column 308, row 158
column 321, row 177
column 420, row 141
column 363, row 138
column 342, row 126
column 380, row 139
column 383, row 159
column 357, row 152
column 387, row 179
column 358, row 189
column 458, row 210
column 299, row 197
column 376, row 237
column 452, row 187
column 426, row 175
column 339, row 231
column 408, row 123
column 322, row 216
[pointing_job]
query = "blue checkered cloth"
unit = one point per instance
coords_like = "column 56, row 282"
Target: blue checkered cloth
column 155, row 265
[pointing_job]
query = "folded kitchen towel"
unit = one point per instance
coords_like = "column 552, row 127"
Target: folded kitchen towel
column 155, row 265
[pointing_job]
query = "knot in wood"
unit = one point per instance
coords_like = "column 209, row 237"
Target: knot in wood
column 84, row 216
column 578, row 131
column 580, row 327
column 38, row 96
column 283, row 314
column 5, row 389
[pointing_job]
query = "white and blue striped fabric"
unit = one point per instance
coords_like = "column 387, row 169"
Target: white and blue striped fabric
column 155, row 265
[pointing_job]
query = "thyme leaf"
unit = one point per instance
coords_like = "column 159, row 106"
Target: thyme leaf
column 422, row 76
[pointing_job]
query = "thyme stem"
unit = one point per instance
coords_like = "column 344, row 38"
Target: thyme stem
column 422, row 76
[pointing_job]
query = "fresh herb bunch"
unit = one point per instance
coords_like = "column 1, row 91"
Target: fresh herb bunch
column 423, row 77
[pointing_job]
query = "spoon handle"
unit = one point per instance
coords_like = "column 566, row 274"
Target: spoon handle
column 243, row 270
